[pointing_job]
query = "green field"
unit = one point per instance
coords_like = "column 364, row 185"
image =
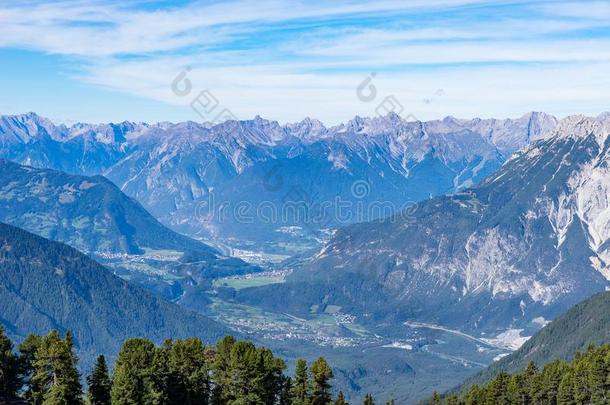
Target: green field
column 242, row 282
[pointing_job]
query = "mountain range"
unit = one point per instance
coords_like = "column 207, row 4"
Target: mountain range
column 494, row 260
column 458, row 238
column 258, row 185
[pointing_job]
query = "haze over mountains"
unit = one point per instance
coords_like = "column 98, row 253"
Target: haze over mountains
column 525, row 245
column 235, row 181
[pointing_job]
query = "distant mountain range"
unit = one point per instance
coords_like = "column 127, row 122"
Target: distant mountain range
column 256, row 183
column 92, row 215
column 47, row 285
column 531, row 241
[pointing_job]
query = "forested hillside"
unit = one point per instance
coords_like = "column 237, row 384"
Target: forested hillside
column 584, row 324
column 47, row 285
column 585, row 380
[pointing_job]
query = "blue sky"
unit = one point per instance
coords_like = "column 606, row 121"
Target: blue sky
column 102, row 61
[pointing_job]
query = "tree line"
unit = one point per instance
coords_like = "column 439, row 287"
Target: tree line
column 44, row 371
column 584, row 380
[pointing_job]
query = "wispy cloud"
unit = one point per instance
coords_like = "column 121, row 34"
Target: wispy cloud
column 289, row 59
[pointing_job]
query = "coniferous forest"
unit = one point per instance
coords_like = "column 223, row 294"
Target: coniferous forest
column 44, row 371
column 584, row 380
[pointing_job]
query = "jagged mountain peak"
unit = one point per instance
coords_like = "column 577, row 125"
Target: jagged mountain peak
column 29, row 127
column 581, row 126
column 307, row 129
column 604, row 115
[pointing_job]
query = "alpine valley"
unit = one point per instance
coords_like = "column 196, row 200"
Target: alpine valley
column 411, row 255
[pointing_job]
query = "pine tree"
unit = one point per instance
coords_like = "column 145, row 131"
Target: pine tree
column 550, row 379
column 566, row 391
column 368, row 400
column 99, row 383
column 221, row 373
column 452, row 400
column 598, row 379
column 55, row 379
column 517, row 392
column 321, row 374
column 582, row 393
column 475, row 395
column 160, row 376
column 390, row 402
column 497, row 391
column 27, row 357
column 436, row 399
column 270, row 372
column 189, row 372
column 301, row 388
column 285, row 397
column 245, row 386
column 132, row 379
column 341, row 399
column 9, row 368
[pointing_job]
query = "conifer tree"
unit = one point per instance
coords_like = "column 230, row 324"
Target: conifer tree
column 301, row 388
column 599, row 377
column 436, row 399
column 497, row 391
column 566, row 391
column 221, row 374
column 368, row 400
column 9, row 368
column 99, row 383
column 475, row 395
column 452, row 400
column 552, row 375
column 189, row 372
column 132, row 382
column 582, row 394
column 285, row 397
column 160, row 375
column 321, row 374
column 27, row 357
column 341, row 399
column 55, row 379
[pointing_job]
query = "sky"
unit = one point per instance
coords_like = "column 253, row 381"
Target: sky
column 110, row 61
